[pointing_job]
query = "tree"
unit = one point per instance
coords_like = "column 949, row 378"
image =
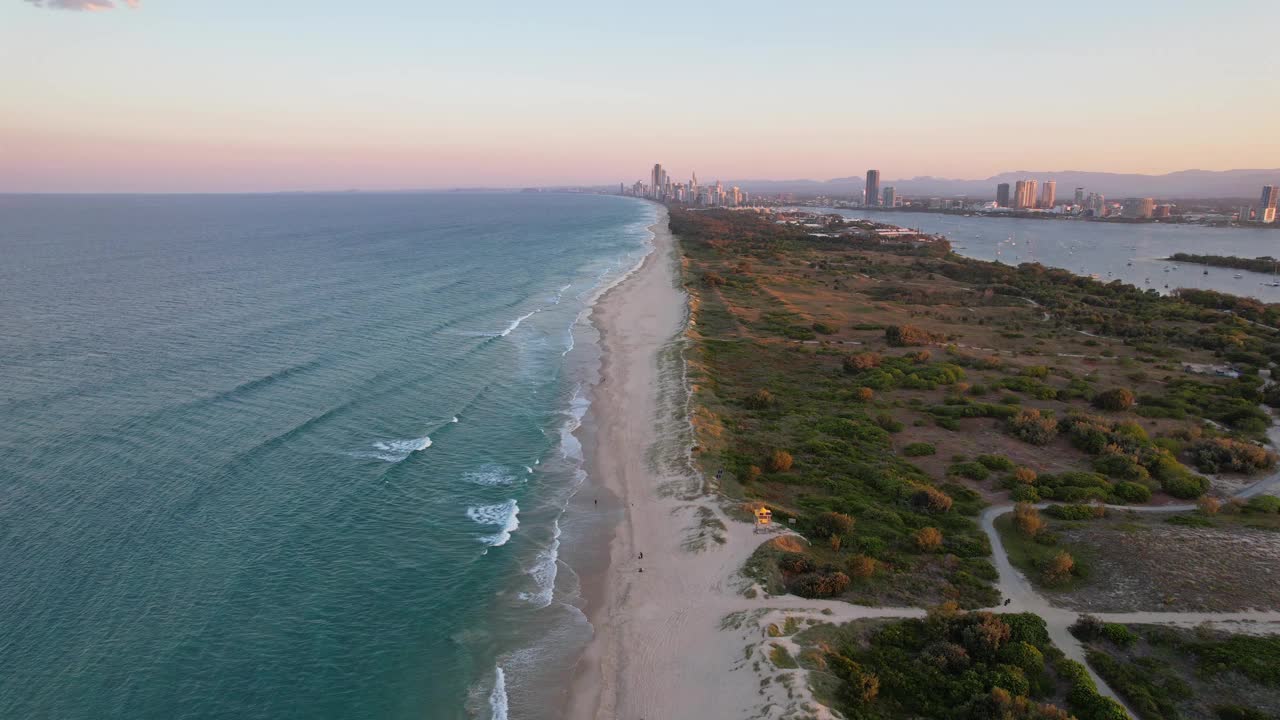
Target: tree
column 1059, row 568
column 931, row 500
column 1033, row 427
column 830, row 524
column 928, row 539
column 862, row 566
column 866, row 394
column 1115, row 399
column 905, row 335
column 1027, row 519
column 862, row 361
column 1024, row 475
column 759, row 400
column 780, row 461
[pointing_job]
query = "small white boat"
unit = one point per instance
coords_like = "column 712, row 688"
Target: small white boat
column 1237, row 276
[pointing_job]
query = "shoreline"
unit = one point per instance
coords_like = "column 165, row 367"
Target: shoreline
column 611, row 451
column 659, row 642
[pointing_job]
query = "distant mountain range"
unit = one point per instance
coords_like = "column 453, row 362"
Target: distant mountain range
column 1182, row 184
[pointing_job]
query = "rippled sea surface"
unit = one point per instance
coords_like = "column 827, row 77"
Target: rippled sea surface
column 293, row 456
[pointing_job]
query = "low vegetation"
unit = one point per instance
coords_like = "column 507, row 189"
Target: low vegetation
column 1168, row 673
column 904, row 387
column 952, row 664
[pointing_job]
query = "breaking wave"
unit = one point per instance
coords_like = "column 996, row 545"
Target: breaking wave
column 502, row 514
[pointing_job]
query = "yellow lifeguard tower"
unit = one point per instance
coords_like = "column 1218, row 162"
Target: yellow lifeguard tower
column 764, row 516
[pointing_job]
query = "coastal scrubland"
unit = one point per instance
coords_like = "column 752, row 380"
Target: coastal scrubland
column 877, row 394
column 952, row 664
column 1166, row 673
column 1128, row 561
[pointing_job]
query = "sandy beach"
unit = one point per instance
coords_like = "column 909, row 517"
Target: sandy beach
column 661, row 646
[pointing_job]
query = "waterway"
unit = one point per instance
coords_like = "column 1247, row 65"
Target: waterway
column 1128, row 252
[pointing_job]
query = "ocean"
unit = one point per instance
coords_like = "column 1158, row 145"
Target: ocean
column 1131, row 253
column 296, row 456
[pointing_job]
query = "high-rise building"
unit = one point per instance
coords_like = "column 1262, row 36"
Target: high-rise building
column 872, row 196
column 1024, row 194
column 890, row 198
column 1002, row 195
column 1079, row 197
column 1140, row 208
column 1096, row 204
column 1049, row 195
column 1244, row 213
column 659, row 185
column 1267, row 206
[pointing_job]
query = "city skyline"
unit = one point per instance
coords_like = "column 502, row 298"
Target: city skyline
column 239, row 96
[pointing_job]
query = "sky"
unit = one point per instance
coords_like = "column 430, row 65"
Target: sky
column 250, row 95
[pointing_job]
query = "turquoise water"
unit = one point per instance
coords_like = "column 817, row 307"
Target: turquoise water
column 294, row 456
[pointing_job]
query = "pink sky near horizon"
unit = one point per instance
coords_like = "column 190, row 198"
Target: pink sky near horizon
column 189, row 97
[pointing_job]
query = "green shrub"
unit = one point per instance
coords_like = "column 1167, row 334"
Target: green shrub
column 1186, row 486
column 1264, row 504
column 998, row 463
column 1132, row 492
column 1115, row 399
column 907, row 335
column 1226, row 455
column 819, row 585
column 795, row 564
column 1033, row 427
column 1025, row 493
column 1121, row 467
column 888, row 424
column 1075, row 512
column 919, row 449
column 1119, row 635
column 970, row 470
column 830, row 524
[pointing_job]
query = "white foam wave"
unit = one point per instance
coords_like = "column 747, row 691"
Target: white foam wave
column 503, row 514
column 394, row 451
column 528, row 469
column 516, row 323
column 454, row 419
column 560, row 294
column 569, row 445
column 491, row 475
column 543, row 572
column 498, row 696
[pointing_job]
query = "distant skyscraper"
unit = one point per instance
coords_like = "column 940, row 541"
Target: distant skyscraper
column 890, row 197
column 873, row 187
column 1267, row 206
column 1141, row 208
column 1244, row 213
column 1049, row 195
column 1079, row 197
column 1002, row 195
column 1024, row 195
column 658, row 183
